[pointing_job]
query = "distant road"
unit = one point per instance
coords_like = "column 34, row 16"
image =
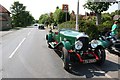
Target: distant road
column 25, row 55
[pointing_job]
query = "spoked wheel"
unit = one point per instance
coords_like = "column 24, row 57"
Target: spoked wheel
column 46, row 37
column 59, row 51
column 102, row 56
column 49, row 46
column 48, row 42
column 66, row 59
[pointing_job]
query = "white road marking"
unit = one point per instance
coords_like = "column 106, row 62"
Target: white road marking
column 17, row 48
column 29, row 32
column 108, row 76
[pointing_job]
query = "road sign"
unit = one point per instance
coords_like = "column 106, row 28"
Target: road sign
column 65, row 7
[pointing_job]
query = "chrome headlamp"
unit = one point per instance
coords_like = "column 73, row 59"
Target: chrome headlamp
column 78, row 45
column 94, row 43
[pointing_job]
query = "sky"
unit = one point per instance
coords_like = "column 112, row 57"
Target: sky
column 38, row 7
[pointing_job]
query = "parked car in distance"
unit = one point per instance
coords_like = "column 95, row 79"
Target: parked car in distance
column 41, row 26
column 75, row 47
column 35, row 24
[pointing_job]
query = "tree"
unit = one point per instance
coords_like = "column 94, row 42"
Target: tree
column 20, row 17
column 98, row 8
column 60, row 16
column 117, row 12
column 46, row 19
column 106, row 17
column 43, row 18
column 27, row 19
column 57, row 15
column 51, row 19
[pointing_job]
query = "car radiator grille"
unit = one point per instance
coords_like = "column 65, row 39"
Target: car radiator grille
column 85, row 41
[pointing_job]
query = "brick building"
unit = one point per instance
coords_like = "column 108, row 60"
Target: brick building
column 5, row 20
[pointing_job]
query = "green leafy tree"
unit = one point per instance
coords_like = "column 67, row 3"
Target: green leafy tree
column 17, row 8
column 60, row 16
column 36, row 21
column 117, row 12
column 106, row 17
column 46, row 19
column 20, row 17
column 57, row 15
column 98, row 8
column 51, row 19
column 43, row 18
column 27, row 18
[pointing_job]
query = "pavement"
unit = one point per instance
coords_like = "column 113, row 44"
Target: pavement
column 0, row 61
column 25, row 54
column 3, row 33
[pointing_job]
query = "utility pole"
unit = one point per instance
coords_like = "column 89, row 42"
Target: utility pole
column 66, row 16
column 77, row 26
column 118, row 5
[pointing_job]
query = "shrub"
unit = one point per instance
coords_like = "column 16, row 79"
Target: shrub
column 68, row 24
column 88, row 27
column 106, row 24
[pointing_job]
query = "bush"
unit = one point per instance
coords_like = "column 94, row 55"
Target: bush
column 88, row 27
column 106, row 24
column 68, row 24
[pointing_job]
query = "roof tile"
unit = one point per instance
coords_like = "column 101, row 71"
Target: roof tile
column 3, row 9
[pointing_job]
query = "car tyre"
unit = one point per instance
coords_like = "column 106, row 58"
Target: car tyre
column 46, row 37
column 66, row 59
column 102, row 56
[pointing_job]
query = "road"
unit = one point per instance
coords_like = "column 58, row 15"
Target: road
column 25, row 55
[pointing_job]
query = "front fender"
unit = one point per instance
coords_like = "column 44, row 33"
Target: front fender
column 67, row 45
column 103, row 43
column 49, row 37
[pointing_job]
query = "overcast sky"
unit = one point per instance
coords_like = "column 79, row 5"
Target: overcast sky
column 38, row 7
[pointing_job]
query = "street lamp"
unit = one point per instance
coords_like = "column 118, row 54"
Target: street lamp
column 77, row 26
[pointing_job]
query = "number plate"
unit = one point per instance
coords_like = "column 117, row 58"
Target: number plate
column 89, row 61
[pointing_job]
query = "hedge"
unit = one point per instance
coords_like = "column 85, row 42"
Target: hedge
column 89, row 27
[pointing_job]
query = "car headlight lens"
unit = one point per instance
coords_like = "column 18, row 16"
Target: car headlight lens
column 94, row 43
column 78, row 45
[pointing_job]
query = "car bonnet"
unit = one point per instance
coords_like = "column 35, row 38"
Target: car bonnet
column 73, row 33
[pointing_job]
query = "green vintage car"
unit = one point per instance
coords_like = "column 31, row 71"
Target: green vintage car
column 75, row 47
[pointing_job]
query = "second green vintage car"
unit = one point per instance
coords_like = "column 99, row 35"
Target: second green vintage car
column 75, row 47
